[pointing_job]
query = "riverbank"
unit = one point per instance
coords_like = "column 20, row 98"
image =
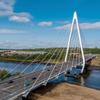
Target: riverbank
column 64, row 91
column 27, row 61
column 95, row 64
column 96, row 61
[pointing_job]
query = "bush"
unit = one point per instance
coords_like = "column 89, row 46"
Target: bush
column 4, row 74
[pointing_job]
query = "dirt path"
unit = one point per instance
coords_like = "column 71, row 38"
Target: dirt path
column 64, row 91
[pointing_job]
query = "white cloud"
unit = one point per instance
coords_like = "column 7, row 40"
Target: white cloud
column 7, row 9
column 7, row 44
column 10, row 31
column 44, row 23
column 95, row 25
column 64, row 27
column 20, row 17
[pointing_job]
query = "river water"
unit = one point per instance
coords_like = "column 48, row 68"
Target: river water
column 19, row 67
column 92, row 79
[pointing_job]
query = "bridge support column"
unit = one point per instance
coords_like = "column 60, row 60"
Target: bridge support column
column 75, row 20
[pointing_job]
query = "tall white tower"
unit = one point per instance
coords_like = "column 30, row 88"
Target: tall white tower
column 75, row 21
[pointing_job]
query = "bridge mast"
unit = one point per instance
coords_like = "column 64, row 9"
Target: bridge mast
column 75, row 20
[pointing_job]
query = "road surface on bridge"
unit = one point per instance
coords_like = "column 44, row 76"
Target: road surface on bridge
column 10, row 91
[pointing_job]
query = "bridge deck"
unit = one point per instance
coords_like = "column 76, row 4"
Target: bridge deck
column 9, row 91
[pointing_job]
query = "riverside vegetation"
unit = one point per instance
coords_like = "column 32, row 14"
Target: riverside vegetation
column 24, row 57
column 4, row 73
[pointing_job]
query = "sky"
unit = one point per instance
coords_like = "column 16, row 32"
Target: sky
column 46, row 23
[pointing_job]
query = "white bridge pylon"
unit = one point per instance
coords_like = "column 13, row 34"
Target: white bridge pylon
column 75, row 21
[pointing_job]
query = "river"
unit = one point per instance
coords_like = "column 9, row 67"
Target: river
column 92, row 79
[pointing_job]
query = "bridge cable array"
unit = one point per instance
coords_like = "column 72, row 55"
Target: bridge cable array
column 42, row 70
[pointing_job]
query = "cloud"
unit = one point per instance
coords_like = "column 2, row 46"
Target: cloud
column 7, row 9
column 63, row 27
column 10, row 31
column 95, row 25
column 44, row 23
column 20, row 17
column 7, row 44
column 11, row 45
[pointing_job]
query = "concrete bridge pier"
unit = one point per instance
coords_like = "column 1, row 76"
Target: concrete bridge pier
column 86, row 69
column 87, row 64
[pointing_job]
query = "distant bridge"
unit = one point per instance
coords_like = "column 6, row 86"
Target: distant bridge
column 22, row 84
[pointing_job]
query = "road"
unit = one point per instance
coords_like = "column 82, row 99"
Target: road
column 10, row 91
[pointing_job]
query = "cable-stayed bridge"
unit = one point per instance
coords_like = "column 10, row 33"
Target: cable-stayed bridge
column 22, row 84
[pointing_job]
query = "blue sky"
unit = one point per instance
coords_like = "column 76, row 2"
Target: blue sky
column 46, row 23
